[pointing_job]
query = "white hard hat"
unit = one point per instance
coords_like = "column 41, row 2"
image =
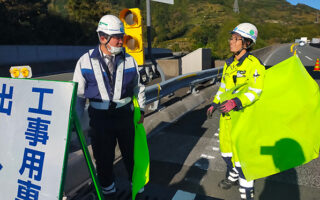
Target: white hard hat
column 247, row 30
column 111, row 25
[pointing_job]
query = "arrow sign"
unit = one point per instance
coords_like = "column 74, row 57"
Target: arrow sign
column 165, row 1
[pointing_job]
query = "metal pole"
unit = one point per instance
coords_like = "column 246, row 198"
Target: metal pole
column 149, row 30
column 236, row 7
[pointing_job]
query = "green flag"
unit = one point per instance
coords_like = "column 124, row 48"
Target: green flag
column 140, row 175
column 281, row 129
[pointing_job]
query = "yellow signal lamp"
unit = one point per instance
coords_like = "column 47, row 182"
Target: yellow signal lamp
column 15, row 73
column 131, row 18
column 131, row 43
column 133, row 39
column 20, row 71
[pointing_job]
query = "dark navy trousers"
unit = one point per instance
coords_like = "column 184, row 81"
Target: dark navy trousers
column 107, row 128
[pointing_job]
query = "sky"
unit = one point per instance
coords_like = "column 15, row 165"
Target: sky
column 311, row 3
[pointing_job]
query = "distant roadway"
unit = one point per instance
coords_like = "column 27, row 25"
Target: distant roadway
column 307, row 54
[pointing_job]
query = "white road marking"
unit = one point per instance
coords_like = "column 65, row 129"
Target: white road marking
column 308, row 58
column 299, row 51
column 207, row 156
column 182, row 195
column 215, row 148
column 216, row 134
column 270, row 55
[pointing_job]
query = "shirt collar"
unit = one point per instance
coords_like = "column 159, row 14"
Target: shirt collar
column 106, row 55
column 240, row 61
column 95, row 52
column 243, row 58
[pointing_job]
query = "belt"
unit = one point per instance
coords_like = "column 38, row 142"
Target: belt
column 110, row 105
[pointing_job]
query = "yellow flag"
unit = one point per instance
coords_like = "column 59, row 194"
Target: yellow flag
column 281, row 129
column 140, row 175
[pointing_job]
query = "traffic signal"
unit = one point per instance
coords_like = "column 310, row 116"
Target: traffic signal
column 20, row 71
column 132, row 40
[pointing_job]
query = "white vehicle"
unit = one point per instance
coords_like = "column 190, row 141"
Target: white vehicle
column 302, row 43
column 315, row 40
column 304, row 39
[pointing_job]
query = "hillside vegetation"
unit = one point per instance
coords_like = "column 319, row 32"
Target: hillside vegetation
column 184, row 26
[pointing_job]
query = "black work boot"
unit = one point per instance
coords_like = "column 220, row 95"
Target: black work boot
column 226, row 184
column 111, row 196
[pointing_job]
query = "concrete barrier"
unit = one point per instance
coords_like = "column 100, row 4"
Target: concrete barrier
column 170, row 67
column 196, row 61
column 42, row 59
column 263, row 53
column 23, row 54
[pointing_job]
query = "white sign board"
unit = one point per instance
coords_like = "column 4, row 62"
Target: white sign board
column 33, row 133
column 165, row 1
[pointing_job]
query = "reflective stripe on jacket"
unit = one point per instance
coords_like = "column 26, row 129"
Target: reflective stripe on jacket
column 93, row 82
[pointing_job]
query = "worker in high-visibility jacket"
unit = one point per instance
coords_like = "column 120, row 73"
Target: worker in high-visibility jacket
column 241, row 68
column 109, row 78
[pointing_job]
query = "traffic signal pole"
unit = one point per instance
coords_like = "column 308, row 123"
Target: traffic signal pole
column 154, row 63
column 149, row 31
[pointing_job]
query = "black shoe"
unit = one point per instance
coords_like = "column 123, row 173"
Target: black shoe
column 140, row 196
column 111, row 196
column 226, row 184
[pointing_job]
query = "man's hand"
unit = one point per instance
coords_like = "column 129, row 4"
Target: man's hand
column 210, row 111
column 141, row 119
column 227, row 106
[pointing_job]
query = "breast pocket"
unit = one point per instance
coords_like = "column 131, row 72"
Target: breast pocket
column 241, row 77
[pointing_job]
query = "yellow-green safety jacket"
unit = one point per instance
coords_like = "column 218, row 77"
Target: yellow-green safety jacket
column 248, row 69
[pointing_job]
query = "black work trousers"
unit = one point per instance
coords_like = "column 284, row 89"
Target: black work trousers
column 108, row 128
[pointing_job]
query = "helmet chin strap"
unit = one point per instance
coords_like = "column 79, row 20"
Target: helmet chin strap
column 108, row 40
column 238, row 52
column 242, row 48
column 106, row 45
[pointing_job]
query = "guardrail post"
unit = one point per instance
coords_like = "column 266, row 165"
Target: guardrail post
column 193, row 89
column 214, row 80
column 155, row 105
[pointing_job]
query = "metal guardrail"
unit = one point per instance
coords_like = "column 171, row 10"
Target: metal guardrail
column 155, row 92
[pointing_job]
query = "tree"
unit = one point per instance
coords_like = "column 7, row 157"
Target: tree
column 83, row 11
column 19, row 19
